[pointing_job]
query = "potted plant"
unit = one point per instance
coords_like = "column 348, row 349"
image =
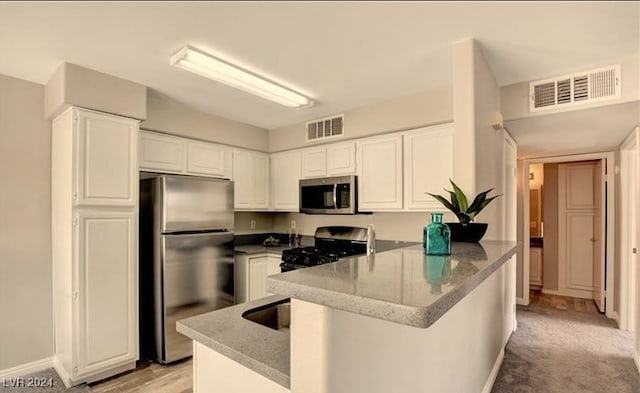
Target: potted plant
column 466, row 230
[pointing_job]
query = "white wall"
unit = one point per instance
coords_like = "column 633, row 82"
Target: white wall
column 167, row 115
column 426, row 108
column 26, row 328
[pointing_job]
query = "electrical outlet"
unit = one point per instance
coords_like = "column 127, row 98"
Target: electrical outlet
column 253, row 224
column 293, row 224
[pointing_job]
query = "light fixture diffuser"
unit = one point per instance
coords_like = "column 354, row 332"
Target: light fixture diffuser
column 201, row 63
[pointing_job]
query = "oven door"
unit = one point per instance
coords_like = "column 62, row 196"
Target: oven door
column 328, row 195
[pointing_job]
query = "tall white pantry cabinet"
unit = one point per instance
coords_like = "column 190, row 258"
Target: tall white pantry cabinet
column 94, row 196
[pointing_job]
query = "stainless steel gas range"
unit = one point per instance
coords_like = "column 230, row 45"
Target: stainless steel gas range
column 330, row 244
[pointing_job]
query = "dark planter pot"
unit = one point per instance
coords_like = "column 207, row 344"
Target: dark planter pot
column 469, row 233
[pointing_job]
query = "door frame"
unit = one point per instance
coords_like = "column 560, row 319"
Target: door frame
column 627, row 302
column 610, row 222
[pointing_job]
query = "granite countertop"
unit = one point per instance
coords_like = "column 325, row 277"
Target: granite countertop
column 259, row 348
column 402, row 285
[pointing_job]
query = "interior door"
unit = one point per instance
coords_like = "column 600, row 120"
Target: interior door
column 598, row 235
column 576, row 218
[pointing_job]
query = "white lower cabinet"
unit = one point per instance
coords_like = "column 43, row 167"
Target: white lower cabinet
column 379, row 164
column 535, row 266
column 94, row 245
column 251, row 272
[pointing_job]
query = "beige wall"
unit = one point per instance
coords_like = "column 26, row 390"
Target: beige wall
column 489, row 144
column 404, row 226
column 515, row 98
column 427, row 108
column 550, row 219
column 167, row 115
column 79, row 86
column 264, row 221
column 26, row 329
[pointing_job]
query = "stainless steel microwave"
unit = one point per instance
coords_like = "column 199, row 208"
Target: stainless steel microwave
column 329, row 195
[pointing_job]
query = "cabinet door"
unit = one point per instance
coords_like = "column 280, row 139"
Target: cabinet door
column 314, row 162
column 260, row 181
column 285, row 177
column 428, row 166
column 107, row 289
column 380, row 173
column 243, row 178
column 106, row 148
column 205, row 158
column 535, row 266
column 257, row 278
column 161, row 153
column 260, row 267
column 341, row 159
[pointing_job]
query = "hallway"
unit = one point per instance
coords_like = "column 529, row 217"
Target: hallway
column 563, row 345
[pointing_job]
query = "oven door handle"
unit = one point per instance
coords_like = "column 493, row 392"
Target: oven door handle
column 335, row 196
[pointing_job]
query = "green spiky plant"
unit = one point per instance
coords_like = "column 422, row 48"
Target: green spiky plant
column 459, row 204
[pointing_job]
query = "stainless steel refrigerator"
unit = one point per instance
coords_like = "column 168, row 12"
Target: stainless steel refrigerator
column 186, row 258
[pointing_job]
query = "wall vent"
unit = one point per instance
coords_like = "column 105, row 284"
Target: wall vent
column 325, row 128
column 597, row 85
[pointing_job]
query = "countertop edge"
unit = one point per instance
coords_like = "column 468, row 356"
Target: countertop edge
column 189, row 328
column 419, row 317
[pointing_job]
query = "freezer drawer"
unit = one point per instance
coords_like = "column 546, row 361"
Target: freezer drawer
column 192, row 203
column 197, row 277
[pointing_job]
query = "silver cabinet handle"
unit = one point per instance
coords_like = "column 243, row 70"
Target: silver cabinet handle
column 335, row 196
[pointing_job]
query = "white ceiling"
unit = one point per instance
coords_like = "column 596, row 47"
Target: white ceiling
column 343, row 54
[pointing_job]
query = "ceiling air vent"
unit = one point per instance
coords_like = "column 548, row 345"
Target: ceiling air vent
column 597, row 85
column 325, row 128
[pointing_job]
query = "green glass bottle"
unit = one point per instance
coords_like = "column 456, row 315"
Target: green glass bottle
column 437, row 237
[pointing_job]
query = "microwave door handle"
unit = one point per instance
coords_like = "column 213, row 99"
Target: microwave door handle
column 335, row 196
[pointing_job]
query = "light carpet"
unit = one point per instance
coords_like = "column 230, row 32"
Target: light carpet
column 42, row 380
column 556, row 351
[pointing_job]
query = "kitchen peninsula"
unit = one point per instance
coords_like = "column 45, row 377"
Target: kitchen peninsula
column 392, row 321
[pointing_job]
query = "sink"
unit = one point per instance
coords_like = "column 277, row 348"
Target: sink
column 276, row 316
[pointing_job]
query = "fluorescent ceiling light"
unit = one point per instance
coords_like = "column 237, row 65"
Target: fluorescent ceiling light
column 219, row 70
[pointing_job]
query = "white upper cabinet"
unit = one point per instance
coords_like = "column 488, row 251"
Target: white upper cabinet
column 171, row 154
column 160, row 152
column 205, row 158
column 285, row 177
column 106, row 157
column 379, row 164
column 261, row 181
column 314, row 162
column 251, row 180
column 341, row 159
column 428, row 165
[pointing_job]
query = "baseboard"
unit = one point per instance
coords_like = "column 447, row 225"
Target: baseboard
column 62, row 373
column 27, row 368
column 616, row 317
column 488, row 386
column 552, row 292
column 520, row 301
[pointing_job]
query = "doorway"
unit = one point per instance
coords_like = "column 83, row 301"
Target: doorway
column 538, row 228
